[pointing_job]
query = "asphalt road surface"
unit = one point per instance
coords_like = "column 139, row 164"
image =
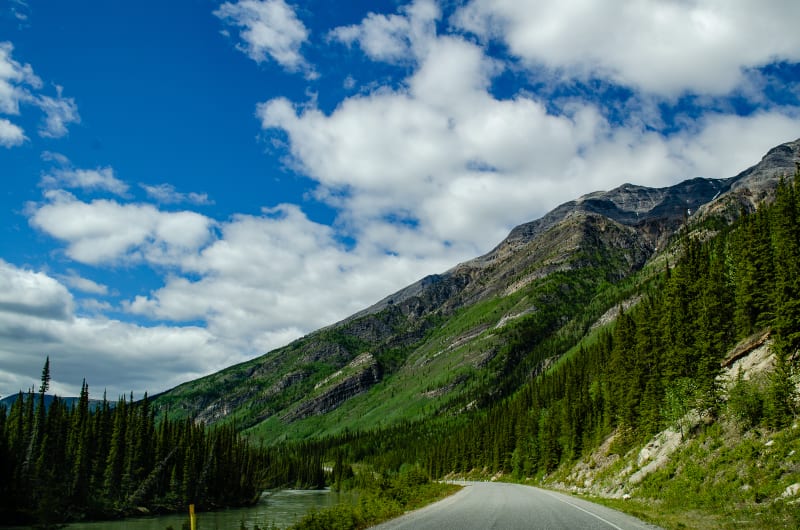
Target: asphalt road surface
column 487, row 505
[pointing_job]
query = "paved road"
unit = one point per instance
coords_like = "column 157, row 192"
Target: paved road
column 496, row 505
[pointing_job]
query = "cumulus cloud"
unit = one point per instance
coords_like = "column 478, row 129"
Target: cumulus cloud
column 665, row 48
column 270, row 28
column 33, row 294
column 167, row 194
column 727, row 144
column 457, row 165
column 103, row 350
column 10, row 135
column 99, row 179
column 393, row 38
column 271, row 277
column 106, row 231
column 37, row 319
column 442, row 153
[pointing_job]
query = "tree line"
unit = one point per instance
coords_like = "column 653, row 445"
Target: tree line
column 63, row 463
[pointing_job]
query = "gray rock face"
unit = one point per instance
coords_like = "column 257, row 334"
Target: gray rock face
column 780, row 161
column 351, row 386
column 756, row 184
column 643, row 219
column 630, row 205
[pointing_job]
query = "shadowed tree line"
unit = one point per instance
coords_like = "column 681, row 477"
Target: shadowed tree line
column 63, row 463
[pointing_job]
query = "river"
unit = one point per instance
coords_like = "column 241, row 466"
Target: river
column 280, row 508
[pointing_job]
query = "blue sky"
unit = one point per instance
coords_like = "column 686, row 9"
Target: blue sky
column 189, row 184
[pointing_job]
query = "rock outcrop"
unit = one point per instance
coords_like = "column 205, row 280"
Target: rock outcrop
column 339, row 388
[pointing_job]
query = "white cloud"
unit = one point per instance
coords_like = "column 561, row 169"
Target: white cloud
column 15, row 81
column 59, row 112
column 58, row 158
column 102, row 179
column 270, row 29
column 666, row 48
column 36, row 320
column 727, row 144
column 393, row 38
column 106, row 231
column 434, row 151
column 74, row 280
column 167, row 194
column 462, row 166
column 33, row 294
column 108, row 353
column 10, row 135
column 277, row 275
column 19, row 85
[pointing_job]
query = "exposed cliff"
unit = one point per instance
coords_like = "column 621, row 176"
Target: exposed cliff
column 356, row 378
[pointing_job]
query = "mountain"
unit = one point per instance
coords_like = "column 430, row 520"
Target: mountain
column 48, row 399
column 462, row 339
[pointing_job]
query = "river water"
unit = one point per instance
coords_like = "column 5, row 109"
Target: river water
column 280, row 508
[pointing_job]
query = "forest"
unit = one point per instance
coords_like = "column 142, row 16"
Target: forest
column 62, row 464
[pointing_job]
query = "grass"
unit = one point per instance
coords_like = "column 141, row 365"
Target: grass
column 652, row 512
column 724, row 477
column 379, row 500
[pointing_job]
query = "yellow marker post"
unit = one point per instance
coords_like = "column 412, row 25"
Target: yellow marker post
column 192, row 520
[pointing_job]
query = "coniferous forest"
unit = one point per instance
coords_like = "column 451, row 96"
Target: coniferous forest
column 62, row 463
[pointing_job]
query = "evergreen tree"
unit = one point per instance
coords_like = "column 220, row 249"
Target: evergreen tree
column 79, row 449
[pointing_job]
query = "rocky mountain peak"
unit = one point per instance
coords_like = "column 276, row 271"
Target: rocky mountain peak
column 630, row 205
column 755, row 184
column 652, row 214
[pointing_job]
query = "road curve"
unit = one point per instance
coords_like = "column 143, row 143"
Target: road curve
column 498, row 505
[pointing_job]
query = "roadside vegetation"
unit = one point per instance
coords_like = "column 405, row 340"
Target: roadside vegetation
column 380, row 497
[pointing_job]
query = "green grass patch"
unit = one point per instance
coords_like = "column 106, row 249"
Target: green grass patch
column 379, row 500
column 725, row 477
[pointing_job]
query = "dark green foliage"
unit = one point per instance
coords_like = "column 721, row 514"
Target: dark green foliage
column 379, row 499
column 746, row 400
column 64, row 463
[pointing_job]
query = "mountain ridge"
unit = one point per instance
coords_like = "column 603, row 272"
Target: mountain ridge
column 442, row 342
